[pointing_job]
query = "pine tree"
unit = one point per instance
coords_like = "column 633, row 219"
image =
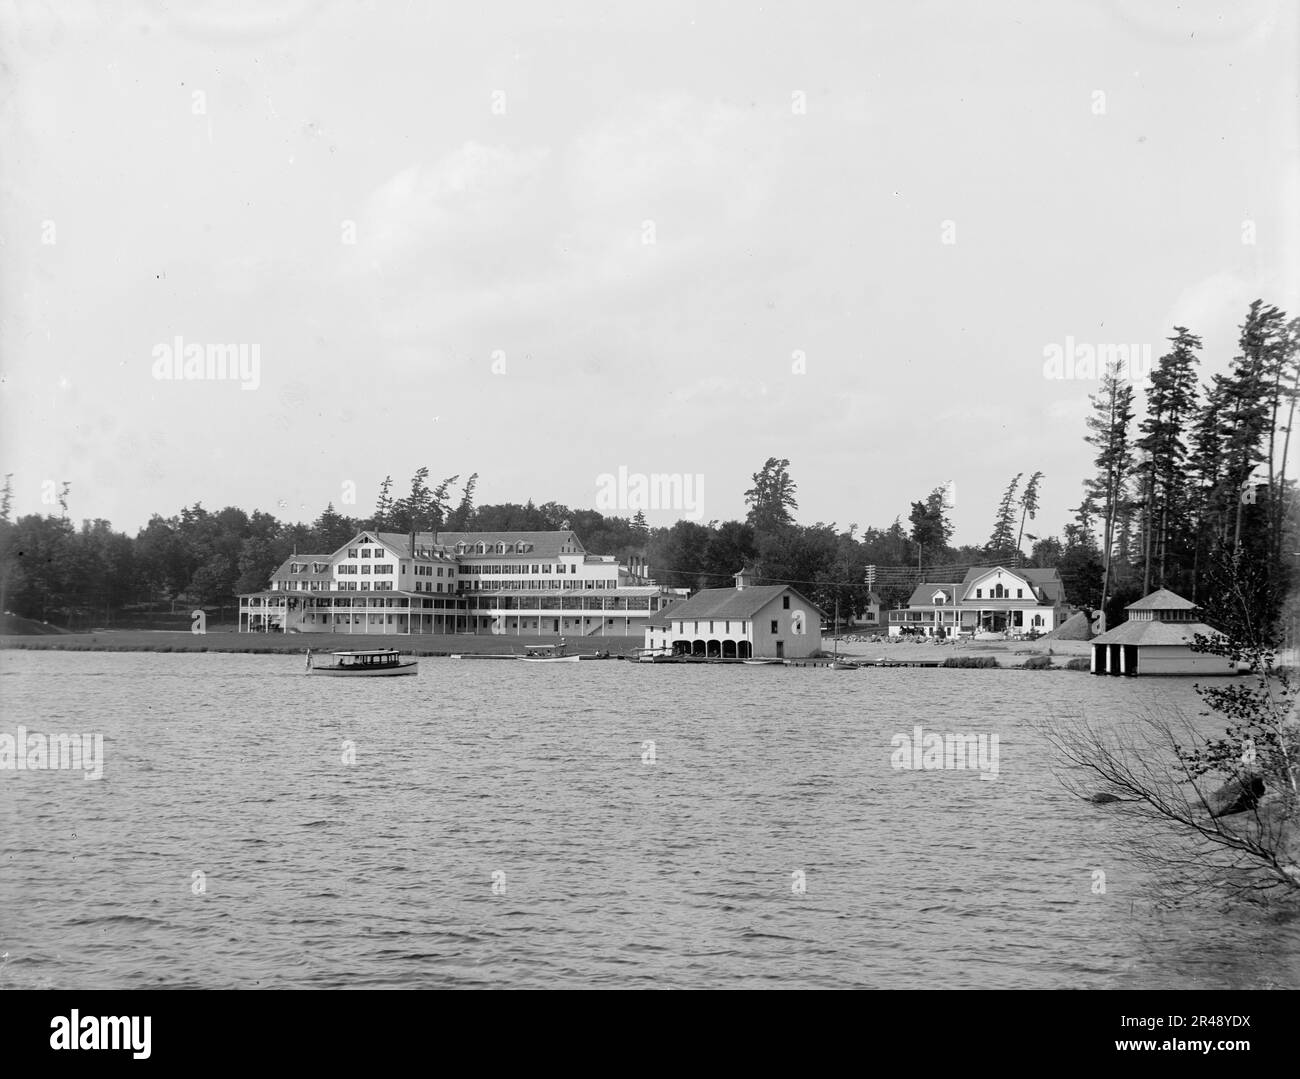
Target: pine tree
column 771, row 499
column 1109, row 434
column 1171, row 400
column 1004, row 525
column 384, row 504
column 1028, row 506
column 1246, row 413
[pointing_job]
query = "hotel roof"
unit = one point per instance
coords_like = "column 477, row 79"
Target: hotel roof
column 401, row 543
column 540, row 544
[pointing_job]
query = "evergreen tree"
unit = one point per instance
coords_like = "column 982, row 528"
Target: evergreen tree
column 383, row 505
column 1028, row 507
column 1004, row 526
column 1108, row 428
column 1171, row 400
column 771, row 500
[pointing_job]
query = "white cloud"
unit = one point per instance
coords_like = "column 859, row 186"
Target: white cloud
column 490, row 235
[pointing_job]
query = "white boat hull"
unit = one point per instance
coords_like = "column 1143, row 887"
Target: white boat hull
column 362, row 672
column 550, row 659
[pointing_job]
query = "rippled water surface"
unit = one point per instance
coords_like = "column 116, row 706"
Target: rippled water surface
column 610, row 870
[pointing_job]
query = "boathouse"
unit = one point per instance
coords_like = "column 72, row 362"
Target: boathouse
column 1157, row 638
column 749, row 621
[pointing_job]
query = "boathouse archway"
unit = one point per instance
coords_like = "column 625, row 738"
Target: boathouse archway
column 744, row 650
column 728, row 649
column 698, row 648
column 714, row 650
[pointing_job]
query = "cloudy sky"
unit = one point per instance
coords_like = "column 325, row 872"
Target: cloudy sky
column 543, row 242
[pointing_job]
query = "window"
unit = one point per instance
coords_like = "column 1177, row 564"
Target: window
column 365, row 569
column 365, row 586
column 774, row 629
column 1020, row 593
column 979, row 593
column 352, row 552
column 785, row 602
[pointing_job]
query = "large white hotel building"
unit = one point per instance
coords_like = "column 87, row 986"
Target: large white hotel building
column 539, row 583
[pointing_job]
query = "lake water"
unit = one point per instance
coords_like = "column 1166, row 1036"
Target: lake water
column 502, row 824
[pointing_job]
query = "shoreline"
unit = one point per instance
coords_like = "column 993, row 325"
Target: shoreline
column 1009, row 654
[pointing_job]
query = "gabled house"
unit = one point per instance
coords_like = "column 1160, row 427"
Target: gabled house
column 871, row 614
column 772, row 621
column 988, row 600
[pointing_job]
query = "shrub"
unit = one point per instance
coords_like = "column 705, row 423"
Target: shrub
column 969, row 661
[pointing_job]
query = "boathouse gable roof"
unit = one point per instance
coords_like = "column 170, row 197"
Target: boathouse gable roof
column 1153, row 632
column 1162, row 600
column 732, row 603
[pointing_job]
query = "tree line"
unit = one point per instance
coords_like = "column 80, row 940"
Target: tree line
column 1200, row 477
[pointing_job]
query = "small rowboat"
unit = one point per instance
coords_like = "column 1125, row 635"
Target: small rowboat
column 763, row 662
column 380, row 663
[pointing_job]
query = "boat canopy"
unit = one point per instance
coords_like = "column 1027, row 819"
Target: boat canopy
column 374, row 652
